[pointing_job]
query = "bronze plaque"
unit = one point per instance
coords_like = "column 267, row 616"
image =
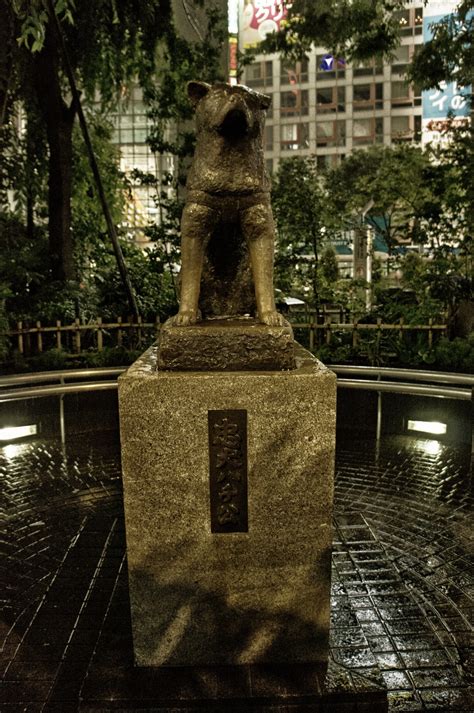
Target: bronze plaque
column 228, row 470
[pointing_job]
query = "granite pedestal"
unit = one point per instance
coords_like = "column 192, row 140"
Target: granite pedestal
column 226, row 344
column 204, row 597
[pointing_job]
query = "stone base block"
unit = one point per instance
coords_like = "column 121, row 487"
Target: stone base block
column 231, row 344
column 257, row 595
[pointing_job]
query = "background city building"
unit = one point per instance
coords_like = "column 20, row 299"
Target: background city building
column 322, row 106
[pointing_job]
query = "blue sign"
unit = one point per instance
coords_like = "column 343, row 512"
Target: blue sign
column 327, row 63
column 450, row 98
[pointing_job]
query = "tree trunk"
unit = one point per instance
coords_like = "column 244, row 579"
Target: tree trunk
column 59, row 197
column 59, row 120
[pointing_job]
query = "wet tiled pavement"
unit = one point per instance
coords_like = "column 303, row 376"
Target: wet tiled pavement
column 403, row 585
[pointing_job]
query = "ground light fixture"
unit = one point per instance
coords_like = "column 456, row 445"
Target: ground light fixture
column 435, row 427
column 12, row 433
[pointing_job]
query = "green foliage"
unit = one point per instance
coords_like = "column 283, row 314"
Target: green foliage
column 299, row 209
column 108, row 42
column 88, row 223
column 385, row 186
column 455, row 355
column 111, row 356
column 353, row 29
column 329, row 268
column 52, row 360
column 153, row 285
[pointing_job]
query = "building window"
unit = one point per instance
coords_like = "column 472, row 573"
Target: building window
column 338, row 70
column 401, row 127
column 269, row 138
column 418, row 20
column 330, row 133
column 294, row 102
column 367, row 96
column 294, row 136
column 401, row 95
column 269, row 165
column 411, row 21
column 330, row 99
column 367, row 131
column 401, row 59
column 406, row 128
column 368, row 68
column 294, row 72
column 259, row 74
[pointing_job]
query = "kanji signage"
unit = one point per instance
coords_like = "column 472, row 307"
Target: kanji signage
column 228, row 470
column 451, row 98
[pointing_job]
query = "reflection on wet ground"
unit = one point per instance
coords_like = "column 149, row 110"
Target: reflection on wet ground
column 403, row 594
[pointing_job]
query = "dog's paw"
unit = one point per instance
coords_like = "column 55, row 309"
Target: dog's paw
column 272, row 318
column 186, row 317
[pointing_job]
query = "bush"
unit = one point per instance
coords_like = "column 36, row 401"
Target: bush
column 112, row 356
column 52, row 360
column 457, row 355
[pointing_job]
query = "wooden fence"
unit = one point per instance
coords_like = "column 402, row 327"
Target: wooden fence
column 80, row 335
column 323, row 332
column 95, row 335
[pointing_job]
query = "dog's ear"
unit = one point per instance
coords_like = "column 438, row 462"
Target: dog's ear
column 197, row 91
column 265, row 100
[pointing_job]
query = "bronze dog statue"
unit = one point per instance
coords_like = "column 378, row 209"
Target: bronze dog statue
column 227, row 230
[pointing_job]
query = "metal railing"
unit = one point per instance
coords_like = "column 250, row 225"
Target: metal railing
column 445, row 385
column 372, row 379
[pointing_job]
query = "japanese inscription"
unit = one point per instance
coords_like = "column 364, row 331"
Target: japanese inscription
column 228, row 470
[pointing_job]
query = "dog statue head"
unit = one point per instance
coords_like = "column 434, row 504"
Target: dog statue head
column 233, row 111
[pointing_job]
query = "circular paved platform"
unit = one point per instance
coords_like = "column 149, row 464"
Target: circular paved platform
column 403, row 594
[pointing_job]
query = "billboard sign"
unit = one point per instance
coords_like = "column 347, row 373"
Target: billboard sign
column 258, row 18
column 449, row 103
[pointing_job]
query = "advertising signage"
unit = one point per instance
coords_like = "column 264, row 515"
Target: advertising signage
column 258, row 18
column 450, row 101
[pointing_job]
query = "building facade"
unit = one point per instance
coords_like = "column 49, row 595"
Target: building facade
column 326, row 107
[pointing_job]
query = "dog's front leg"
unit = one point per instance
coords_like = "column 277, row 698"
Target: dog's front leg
column 258, row 229
column 197, row 223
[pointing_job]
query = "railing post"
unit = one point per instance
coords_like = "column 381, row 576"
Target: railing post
column 430, row 333
column 39, row 337
column 328, row 330
column 77, row 335
column 119, row 332
column 62, row 425
column 311, row 331
column 355, row 334
column 19, row 327
column 157, row 326
column 139, row 330
column 401, row 329
column 378, row 336
column 58, row 334
column 379, row 413
column 100, row 342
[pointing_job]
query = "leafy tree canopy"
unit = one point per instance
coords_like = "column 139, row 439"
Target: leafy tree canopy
column 353, row 29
